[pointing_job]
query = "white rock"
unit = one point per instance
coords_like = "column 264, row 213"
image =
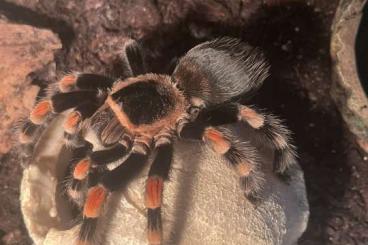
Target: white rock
column 203, row 203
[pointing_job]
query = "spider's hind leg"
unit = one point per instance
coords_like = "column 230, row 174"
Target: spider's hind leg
column 76, row 175
column 272, row 131
column 241, row 155
column 85, row 163
column 107, row 182
column 158, row 173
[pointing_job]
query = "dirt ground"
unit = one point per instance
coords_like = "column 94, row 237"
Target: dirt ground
column 295, row 36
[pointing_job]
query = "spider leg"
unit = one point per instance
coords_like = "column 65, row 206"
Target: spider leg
column 78, row 115
column 83, row 161
column 271, row 128
column 275, row 132
column 240, row 154
column 108, row 182
column 76, row 174
column 84, row 81
column 109, row 156
column 83, row 92
column 132, row 60
column 158, row 173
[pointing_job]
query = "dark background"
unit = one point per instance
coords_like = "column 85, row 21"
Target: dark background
column 295, row 36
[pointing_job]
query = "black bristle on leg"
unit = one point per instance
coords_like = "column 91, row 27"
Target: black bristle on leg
column 93, row 81
column 86, row 109
column 77, row 154
column 73, row 140
column 125, row 172
column 280, row 137
column 76, row 185
column 154, row 224
column 29, row 128
column 272, row 130
column 132, row 60
column 28, row 132
column 251, row 182
column 87, row 230
column 105, row 182
column 251, row 188
column 158, row 172
column 241, row 155
column 220, row 115
column 104, row 157
column 64, row 101
column 162, row 163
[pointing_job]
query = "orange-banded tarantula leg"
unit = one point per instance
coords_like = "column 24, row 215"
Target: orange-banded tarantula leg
column 158, row 173
column 76, row 174
column 76, row 117
column 108, row 182
column 275, row 132
column 34, row 125
column 132, row 60
column 271, row 128
column 64, row 101
column 84, row 81
column 240, row 154
column 47, row 107
column 113, row 154
column 82, row 163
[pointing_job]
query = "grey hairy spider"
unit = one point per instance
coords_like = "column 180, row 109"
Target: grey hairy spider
column 114, row 125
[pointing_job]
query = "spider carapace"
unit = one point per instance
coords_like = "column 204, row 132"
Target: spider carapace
column 113, row 125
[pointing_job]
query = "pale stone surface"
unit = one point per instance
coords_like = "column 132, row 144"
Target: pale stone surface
column 347, row 90
column 203, row 204
column 23, row 49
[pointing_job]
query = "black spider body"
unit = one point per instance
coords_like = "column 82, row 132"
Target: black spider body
column 115, row 124
column 146, row 101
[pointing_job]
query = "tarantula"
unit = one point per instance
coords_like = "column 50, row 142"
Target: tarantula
column 114, row 125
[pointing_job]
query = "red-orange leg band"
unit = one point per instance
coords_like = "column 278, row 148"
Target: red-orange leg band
column 67, row 83
column 154, row 237
column 24, row 138
column 81, row 169
column 95, row 199
column 154, row 188
column 217, row 140
column 72, row 122
column 40, row 112
column 252, row 117
column 80, row 242
column 243, row 168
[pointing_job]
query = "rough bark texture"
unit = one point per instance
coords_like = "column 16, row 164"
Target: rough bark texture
column 295, row 36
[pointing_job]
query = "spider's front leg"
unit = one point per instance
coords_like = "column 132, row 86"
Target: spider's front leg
column 81, row 92
column 83, row 160
column 107, row 182
column 113, row 143
column 84, row 92
column 240, row 154
column 158, row 173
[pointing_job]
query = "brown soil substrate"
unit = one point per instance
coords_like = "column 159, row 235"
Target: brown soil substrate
column 295, row 36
